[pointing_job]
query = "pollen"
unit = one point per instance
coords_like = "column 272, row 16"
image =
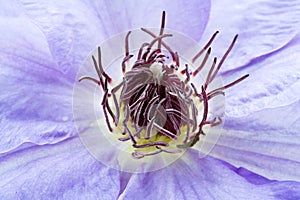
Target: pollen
column 158, row 107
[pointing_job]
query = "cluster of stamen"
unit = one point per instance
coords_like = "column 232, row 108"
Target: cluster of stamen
column 157, row 110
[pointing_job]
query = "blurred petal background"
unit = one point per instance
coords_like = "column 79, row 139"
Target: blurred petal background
column 44, row 43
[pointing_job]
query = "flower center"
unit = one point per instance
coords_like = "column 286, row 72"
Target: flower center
column 158, row 107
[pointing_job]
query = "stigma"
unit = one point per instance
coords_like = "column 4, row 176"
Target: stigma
column 157, row 71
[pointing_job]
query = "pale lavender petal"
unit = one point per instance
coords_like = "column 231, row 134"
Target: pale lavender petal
column 266, row 142
column 206, row 179
column 274, row 81
column 35, row 98
column 263, row 26
column 74, row 28
column 262, row 115
column 61, row 171
column 281, row 190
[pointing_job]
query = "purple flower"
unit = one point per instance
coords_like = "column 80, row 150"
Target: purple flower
column 43, row 46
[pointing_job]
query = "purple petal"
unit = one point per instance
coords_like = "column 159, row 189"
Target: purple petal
column 206, row 178
column 61, row 171
column 274, row 81
column 288, row 190
column 263, row 27
column 266, row 142
column 35, row 100
column 74, row 28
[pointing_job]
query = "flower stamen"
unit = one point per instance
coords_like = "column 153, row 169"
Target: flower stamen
column 163, row 19
column 202, row 63
column 205, row 47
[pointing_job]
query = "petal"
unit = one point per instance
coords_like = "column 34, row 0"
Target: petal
column 274, row 81
column 207, row 178
column 266, row 142
column 263, row 27
column 61, row 171
column 278, row 189
column 74, row 28
column 35, row 100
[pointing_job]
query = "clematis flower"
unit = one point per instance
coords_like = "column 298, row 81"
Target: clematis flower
column 43, row 46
